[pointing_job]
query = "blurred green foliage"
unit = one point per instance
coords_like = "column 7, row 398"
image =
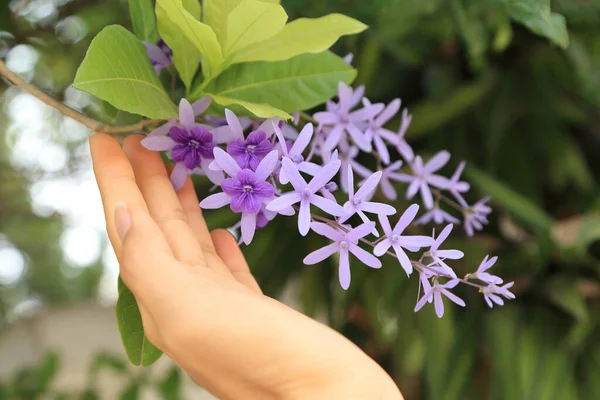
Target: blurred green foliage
column 499, row 84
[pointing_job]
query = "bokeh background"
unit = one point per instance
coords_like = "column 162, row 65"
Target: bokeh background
column 522, row 111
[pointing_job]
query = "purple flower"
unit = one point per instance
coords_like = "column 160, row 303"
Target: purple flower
column 295, row 152
column 438, row 216
column 343, row 120
column 344, row 243
column 160, row 55
column 358, row 202
column 492, row 294
column 395, row 239
column 436, row 292
column 397, row 139
column 376, row 132
column 456, row 187
column 439, row 256
column 191, row 144
column 250, row 152
column 305, row 193
column 475, row 217
column 424, row 175
column 485, row 276
column 246, row 191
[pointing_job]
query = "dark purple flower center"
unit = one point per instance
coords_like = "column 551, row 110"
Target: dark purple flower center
column 306, row 193
column 248, row 188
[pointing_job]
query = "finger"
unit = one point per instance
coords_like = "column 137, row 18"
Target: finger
column 229, row 251
column 116, row 181
column 189, row 203
column 147, row 259
column 161, row 199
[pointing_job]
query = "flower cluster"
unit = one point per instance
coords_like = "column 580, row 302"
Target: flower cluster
column 272, row 167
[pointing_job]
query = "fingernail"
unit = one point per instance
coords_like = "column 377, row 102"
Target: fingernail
column 122, row 220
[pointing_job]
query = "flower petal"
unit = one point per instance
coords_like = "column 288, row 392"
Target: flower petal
column 329, row 206
column 226, row 162
column 328, row 231
column 215, row 201
column 248, row 227
column 344, row 269
column 382, row 247
column 369, row 186
column 406, row 219
column 390, row 112
column 451, row 254
column 359, row 138
column 186, row 114
column 415, row 241
column 360, row 231
column 324, row 175
column 162, row 130
column 377, row 208
column 321, row 254
column 199, row 106
column 284, row 201
column 454, row 298
column 365, row 257
column 333, row 138
column 179, row 175
column 437, row 161
column 304, row 218
column 439, row 304
column 403, row 259
column 158, row 143
column 267, row 165
column 303, row 140
column 234, row 123
column 426, row 195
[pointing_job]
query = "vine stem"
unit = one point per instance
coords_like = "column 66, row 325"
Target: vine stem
column 91, row 123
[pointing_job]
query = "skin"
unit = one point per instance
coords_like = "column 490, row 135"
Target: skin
column 200, row 303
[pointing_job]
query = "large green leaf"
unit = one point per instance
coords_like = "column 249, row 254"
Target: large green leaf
column 260, row 110
column 296, row 84
column 199, row 34
column 515, row 203
column 301, row 36
column 252, row 21
column 537, row 17
column 186, row 56
column 139, row 349
column 116, row 68
column 143, row 20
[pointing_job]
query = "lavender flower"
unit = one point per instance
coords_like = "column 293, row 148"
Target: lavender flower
column 359, row 204
column 491, row 294
column 439, row 256
column 295, row 152
column 475, row 217
column 438, row 216
column 246, row 191
column 395, row 239
column 160, row 55
column 343, row 120
column 250, row 152
column 191, row 145
column 388, row 174
column 376, row 132
column 305, row 193
column 456, row 187
column 483, row 276
column 424, row 175
column 344, row 243
column 436, row 292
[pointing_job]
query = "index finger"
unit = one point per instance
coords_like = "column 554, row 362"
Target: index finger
column 116, row 181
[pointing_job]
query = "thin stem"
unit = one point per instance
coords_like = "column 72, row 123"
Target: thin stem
column 91, row 123
column 438, row 194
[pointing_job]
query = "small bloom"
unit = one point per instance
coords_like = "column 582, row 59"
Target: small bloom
column 492, row 293
column 397, row 139
column 438, row 216
column 250, row 152
column 358, row 202
column 246, row 191
column 456, row 186
column 191, row 144
column 295, row 152
column 475, row 217
column 160, row 55
column 424, row 175
column 395, row 239
column 306, row 193
column 436, row 292
column 376, row 132
column 484, row 276
column 344, row 243
column 439, row 256
column 343, row 120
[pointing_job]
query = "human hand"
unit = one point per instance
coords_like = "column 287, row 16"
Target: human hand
column 200, row 303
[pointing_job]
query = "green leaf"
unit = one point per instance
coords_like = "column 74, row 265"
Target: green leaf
column 292, row 85
column 170, row 386
column 252, row 21
column 137, row 346
column 260, row 110
column 116, row 68
column 537, row 17
column 186, row 56
column 199, row 34
column 143, row 20
column 528, row 212
column 131, row 391
column 105, row 360
column 301, row 36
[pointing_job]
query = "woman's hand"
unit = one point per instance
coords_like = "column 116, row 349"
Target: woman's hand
column 200, row 303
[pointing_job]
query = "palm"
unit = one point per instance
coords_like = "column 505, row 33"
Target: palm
column 199, row 302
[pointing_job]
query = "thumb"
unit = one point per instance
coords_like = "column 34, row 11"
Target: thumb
column 145, row 253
